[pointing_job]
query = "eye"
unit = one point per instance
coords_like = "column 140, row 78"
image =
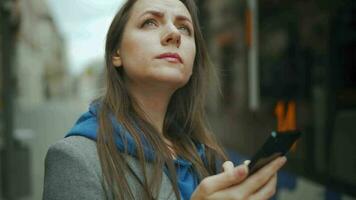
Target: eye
column 185, row 29
column 149, row 23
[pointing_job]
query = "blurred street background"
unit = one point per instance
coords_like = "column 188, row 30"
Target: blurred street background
column 284, row 65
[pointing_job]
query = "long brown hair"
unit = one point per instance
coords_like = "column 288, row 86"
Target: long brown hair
column 184, row 124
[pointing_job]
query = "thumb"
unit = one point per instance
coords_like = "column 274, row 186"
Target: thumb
column 228, row 165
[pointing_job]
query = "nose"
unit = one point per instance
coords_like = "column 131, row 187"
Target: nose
column 172, row 36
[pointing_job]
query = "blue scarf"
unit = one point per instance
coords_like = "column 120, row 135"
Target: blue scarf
column 87, row 126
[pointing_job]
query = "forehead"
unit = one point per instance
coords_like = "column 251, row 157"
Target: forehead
column 168, row 7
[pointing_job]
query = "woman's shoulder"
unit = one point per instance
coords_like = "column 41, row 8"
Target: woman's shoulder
column 72, row 170
column 74, row 142
column 78, row 148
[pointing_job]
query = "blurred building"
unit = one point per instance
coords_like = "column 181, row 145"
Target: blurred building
column 40, row 74
column 306, row 62
column 90, row 83
column 41, row 62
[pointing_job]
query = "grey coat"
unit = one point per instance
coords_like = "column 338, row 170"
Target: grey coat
column 73, row 172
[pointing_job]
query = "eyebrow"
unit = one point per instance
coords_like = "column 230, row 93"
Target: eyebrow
column 161, row 14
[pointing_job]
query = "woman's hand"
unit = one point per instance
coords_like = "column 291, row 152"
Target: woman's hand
column 233, row 184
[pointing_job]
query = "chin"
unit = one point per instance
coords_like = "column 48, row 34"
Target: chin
column 174, row 81
column 173, row 77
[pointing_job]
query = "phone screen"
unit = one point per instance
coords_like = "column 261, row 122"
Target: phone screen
column 277, row 144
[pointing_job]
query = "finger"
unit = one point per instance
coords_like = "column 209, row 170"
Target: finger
column 260, row 178
column 247, row 162
column 223, row 180
column 267, row 191
column 228, row 166
column 244, row 190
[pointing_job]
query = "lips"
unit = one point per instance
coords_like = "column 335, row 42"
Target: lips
column 171, row 57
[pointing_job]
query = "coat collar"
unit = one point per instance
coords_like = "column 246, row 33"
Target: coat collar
column 166, row 190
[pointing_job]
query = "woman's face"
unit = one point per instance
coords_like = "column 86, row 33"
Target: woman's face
column 158, row 45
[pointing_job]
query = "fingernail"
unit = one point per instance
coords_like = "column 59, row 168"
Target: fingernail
column 283, row 159
column 247, row 162
column 241, row 171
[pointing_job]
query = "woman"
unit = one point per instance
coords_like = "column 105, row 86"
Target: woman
column 147, row 137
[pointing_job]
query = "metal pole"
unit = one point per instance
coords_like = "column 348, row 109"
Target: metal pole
column 253, row 72
column 7, row 47
column 7, row 29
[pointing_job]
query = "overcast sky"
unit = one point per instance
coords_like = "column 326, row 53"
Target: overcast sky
column 84, row 24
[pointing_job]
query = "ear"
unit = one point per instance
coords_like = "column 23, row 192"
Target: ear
column 116, row 59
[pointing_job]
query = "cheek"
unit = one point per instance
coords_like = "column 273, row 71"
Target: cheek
column 130, row 47
column 190, row 56
column 135, row 52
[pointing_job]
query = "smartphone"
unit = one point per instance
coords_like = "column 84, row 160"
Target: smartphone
column 277, row 144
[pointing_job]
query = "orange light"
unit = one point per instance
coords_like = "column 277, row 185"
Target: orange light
column 286, row 119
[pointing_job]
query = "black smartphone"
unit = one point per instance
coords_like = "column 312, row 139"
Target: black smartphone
column 277, row 144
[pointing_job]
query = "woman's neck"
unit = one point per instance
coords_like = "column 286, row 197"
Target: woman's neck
column 153, row 102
